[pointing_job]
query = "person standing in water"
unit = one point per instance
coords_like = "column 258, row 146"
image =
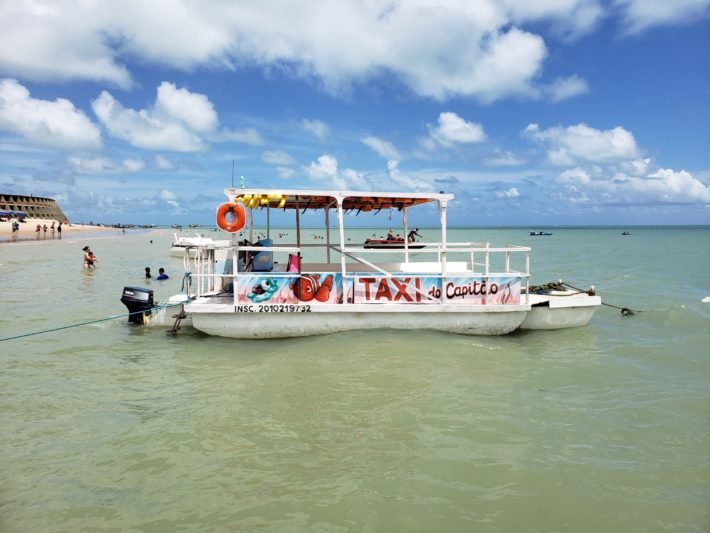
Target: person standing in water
column 90, row 259
column 162, row 274
column 147, row 273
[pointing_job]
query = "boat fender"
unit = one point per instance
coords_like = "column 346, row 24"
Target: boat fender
column 238, row 216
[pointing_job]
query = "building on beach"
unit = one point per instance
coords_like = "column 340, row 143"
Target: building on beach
column 34, row 206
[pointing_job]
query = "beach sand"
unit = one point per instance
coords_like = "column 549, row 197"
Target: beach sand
column 28, row 230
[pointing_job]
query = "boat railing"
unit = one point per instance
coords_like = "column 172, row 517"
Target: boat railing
column 479, row 263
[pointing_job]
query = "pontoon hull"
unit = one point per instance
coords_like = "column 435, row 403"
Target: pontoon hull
column 283, row 325
column 560, row 310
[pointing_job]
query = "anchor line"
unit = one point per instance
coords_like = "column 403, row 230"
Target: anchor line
column 625, row 311
column 69, row 326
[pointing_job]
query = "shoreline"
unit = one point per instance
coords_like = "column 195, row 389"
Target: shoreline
column 28, row 231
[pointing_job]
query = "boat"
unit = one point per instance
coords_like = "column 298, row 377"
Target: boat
column 261, row 289
column 387, row 244
column 539, row 233
column 626, row 233
column 188, row 245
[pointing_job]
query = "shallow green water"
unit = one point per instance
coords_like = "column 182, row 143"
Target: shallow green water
column 109, row 427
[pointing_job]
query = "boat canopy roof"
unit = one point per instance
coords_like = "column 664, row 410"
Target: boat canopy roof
column 357, row 200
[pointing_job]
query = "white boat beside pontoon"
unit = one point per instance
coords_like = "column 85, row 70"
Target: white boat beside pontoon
column 181, row 245
column 296, row 289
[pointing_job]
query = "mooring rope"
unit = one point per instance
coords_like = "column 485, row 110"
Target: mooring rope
column 625, row 311
column 156, row 308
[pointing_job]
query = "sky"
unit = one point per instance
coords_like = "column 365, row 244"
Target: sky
column 542, row 112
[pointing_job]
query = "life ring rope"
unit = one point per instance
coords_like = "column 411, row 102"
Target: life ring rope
column 237, row 213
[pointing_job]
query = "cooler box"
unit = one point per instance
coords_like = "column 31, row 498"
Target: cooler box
column 263, row 261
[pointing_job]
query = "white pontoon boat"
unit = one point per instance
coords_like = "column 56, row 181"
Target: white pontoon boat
column 269, row 290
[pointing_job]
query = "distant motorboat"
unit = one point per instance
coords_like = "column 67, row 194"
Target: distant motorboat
column 626, row 233
column 539, row 233
column 384, row 244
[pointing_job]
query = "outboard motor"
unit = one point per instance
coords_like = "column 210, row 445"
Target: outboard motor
column 137, row 299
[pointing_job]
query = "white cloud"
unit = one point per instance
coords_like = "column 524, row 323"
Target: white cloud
column 452, row 129
column 319, row 129
column 503, row 158
column 326, row 170
column 169, row 197
column 637, row 167
column 581, row 143
column 381, row 147
column 54, row 124
column 437, row 49
column 277, row 157
column 570, row 17
column 179, row 120
column 46, row 41
column 163, row 163
column 640, row 15
column 284, row 172
column 660, row 187
column 404, row 181
column 566, row 88
column 194, row 109
column 145, row 129
column 508, row 193
column 246, row 136
column 133, row 165
column 103, row 165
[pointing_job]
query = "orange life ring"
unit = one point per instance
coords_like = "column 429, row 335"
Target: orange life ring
column 238, row 214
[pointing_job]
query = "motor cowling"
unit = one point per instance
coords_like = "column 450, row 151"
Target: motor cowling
column 139, row 302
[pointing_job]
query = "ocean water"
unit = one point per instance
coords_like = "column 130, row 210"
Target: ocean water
column 112, row 427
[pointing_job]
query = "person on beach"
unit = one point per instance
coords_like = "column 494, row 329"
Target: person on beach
column 162, row 274
column 147, row 273
column 52, row 228
column 45, row 230
column 39, row 228
column 89, row 258
column 59, row 230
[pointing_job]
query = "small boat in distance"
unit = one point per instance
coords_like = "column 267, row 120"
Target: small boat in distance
column 539, row 233
column 385, row 244
column 626, row 233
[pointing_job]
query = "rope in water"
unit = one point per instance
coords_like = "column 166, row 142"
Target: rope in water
column 625, row 311
column 156, row 308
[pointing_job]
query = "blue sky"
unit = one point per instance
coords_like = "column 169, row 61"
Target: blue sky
column 541, row 112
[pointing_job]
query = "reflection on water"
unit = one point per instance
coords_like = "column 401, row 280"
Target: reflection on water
column 115, row 426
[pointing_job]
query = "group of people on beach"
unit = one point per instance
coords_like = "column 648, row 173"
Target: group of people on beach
column 161, row 274
column 52, row 228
